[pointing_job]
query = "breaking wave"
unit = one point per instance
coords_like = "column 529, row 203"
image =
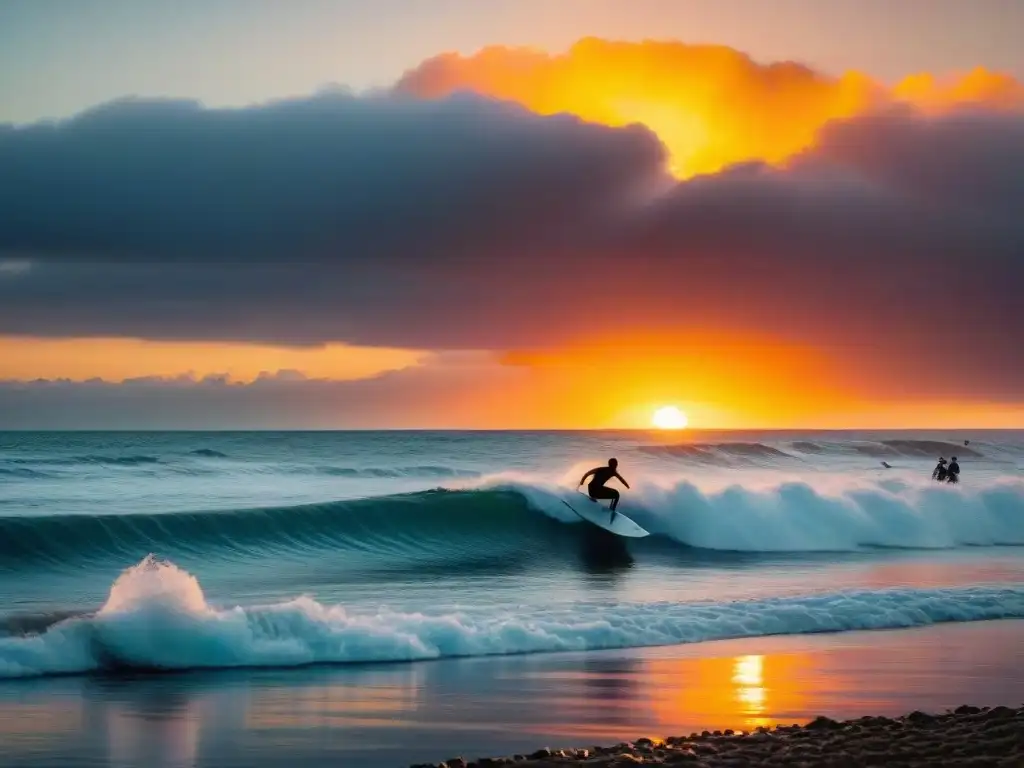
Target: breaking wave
column 499, row 517
column 156, row 617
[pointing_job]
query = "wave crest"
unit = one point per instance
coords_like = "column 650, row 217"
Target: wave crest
column 157, row 617
column 835, row 516
column 498, row 518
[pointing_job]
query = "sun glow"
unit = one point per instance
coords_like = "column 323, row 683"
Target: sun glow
column 669, row 417
column 711, row 106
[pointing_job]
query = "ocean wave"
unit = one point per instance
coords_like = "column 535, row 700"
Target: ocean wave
column 833, row 514
column 125, row 461
column 435, row 525
column 747, row 453
column 208, row 453
column 719, row 453
column 25, row 473
column 70, row 461
column 64, row 467
column 156, row 617
column 820, row 449
column 425, row 471
column 925, row 449
column 499, row 517
column 883, row 449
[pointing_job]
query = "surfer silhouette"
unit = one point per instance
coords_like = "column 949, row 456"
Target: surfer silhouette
column 939, row 473
column 597, row 490
column 953, row 472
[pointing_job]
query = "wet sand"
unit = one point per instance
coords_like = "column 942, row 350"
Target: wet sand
column 969, row 736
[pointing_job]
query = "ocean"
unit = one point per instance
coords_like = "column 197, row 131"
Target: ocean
column 302, row 556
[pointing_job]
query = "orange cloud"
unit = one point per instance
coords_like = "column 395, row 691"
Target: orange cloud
column 117, row 359
column 712, row 106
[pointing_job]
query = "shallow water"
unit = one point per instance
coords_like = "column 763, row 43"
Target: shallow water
column 398, row 714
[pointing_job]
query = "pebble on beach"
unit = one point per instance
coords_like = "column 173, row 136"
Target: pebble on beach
column 969, row 736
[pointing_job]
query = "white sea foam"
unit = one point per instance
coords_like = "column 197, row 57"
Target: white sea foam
column 825, row 512
column 156, row 616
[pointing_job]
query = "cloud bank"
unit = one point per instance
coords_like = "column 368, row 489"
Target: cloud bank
column 892, row 240
column 454, row 390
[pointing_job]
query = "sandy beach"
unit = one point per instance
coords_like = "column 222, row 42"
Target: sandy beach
column 968, row 736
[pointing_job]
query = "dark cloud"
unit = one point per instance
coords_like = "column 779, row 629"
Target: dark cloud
column 896, row 242
column 442, row 393
column 331, row 177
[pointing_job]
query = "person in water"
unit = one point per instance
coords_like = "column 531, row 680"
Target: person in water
column 953, row 472
column 602, row 475
column 939, row 473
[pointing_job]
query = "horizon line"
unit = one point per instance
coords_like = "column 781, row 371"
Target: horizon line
column 646, row 430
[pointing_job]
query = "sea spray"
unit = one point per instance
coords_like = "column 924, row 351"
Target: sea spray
column 826, row 513
column 837, row 515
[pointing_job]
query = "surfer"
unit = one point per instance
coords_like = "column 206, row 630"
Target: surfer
column 953, row 472
column 939, row 473
column 602, row 475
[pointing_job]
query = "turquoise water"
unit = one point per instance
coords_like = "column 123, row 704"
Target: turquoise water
column 173, row 551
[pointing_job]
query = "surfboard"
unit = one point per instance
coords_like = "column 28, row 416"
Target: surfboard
column 600, row 515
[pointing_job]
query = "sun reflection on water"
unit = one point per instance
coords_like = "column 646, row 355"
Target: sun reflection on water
column 751, row 695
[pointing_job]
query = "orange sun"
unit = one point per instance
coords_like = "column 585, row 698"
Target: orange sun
column 669, row 417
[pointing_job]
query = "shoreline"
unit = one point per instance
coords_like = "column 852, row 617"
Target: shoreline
column 383, row 716
column 968, row 736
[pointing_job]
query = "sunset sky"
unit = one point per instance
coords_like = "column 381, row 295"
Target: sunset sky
column 511, row 214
